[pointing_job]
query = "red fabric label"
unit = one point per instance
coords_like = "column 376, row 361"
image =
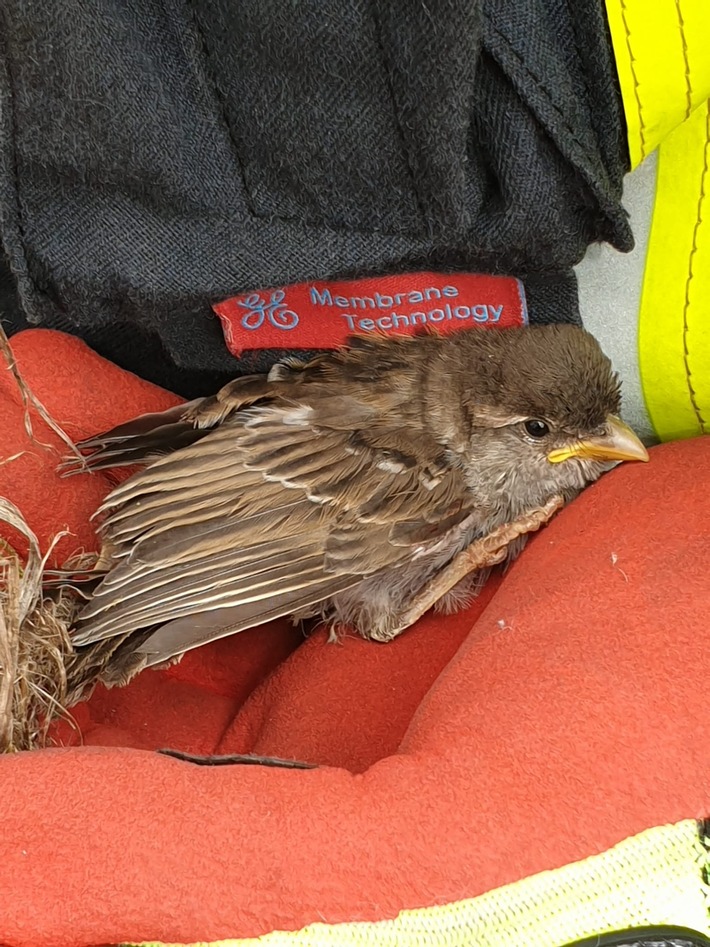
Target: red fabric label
column 322, row 315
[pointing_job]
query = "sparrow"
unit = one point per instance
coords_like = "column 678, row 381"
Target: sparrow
column 341, row 488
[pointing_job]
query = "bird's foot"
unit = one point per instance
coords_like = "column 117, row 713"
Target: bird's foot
column 482, row 554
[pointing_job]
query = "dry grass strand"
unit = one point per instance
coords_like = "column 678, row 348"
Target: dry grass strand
column 29, row 399
column 35, row 646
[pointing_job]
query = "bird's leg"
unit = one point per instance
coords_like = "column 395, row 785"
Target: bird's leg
column 489, row 551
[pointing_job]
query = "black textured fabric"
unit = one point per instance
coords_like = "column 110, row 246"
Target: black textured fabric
column 159, row 155
column 657, row 936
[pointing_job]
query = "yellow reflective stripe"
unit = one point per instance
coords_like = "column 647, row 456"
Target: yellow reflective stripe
column 654, row 879
column 674, row 318
column 661, row 51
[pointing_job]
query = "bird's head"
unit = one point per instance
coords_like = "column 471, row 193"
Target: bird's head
column 546, row 418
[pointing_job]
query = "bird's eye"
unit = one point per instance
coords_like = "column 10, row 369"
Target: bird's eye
column 537, row 428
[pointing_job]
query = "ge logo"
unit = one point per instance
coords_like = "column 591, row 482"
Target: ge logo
column 275, row 311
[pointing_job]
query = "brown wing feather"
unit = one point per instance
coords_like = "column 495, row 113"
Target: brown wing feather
column 175, row 637
column 150, row 436
column 267, row 514
column 272, row 496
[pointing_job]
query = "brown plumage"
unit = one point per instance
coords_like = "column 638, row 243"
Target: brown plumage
column 339, row 488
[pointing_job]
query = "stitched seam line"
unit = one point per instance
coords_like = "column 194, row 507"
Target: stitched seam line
column 13, row 161
column 210, row 77
column 637, row 94
column 583, row 70
column 541, row 87
column 691, row 260
column 686, row 61
column 404, row 143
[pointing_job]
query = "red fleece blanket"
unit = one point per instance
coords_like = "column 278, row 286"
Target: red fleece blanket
column 565, row 711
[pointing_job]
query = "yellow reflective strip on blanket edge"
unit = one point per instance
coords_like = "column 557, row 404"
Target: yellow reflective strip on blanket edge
column 674, row 316
column 655, row 879
column 660, row 47
column 663, row 66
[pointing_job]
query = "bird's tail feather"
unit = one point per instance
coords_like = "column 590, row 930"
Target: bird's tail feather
column 137, row 442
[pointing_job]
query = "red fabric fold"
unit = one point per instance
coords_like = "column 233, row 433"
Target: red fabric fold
column 565, row 711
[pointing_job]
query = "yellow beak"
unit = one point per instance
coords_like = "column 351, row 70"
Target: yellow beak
column 617, row 443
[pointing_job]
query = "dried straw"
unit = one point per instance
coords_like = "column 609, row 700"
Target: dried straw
column 35, row 647
column 30, row 400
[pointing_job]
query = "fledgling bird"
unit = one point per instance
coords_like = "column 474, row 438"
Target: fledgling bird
column 341, row 487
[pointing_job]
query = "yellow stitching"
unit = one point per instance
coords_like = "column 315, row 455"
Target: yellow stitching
column 642, row 124
column 691, row 390
column 686, row 61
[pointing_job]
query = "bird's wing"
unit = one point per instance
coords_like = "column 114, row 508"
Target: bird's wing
column 153, row 435
column 269, row 513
